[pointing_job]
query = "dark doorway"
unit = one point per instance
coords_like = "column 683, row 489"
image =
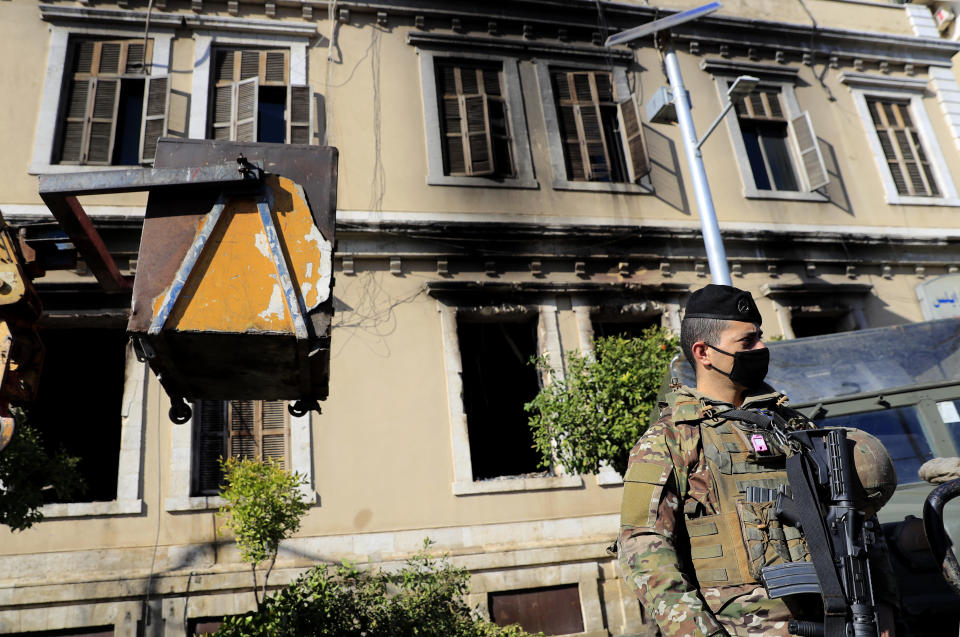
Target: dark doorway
column 79, row 401
column 271, row 114
column 627, row 328
column 126, row 146
column 498, row 380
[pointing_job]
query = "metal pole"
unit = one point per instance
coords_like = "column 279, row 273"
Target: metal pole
column 716, row 256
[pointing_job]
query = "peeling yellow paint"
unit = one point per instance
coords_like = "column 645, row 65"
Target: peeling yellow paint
column 235, row 287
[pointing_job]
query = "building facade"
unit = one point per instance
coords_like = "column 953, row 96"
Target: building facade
column 504, row 192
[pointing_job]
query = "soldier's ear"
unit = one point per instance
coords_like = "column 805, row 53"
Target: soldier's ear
column 700, row 351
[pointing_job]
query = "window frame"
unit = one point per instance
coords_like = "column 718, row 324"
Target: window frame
column 862, row 86
column 129, row 500
column 548, row 103
column 183, row 464
column 791, row 106
column 548, row 343
column 55, row 82
column 205, row 45
column 516, row 116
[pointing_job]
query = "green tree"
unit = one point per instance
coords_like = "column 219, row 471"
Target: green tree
column 28, row 472
column 263, row 505
column 424, row 598
column 597, row 413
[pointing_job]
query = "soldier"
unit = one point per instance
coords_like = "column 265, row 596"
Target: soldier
column 690, row 546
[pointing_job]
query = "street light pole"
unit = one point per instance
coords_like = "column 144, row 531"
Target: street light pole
column 712, row 241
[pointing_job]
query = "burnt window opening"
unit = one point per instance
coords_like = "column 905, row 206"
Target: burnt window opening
column 553, row 610
column 818, row 323
column 631, row 327
column 498, row 380
column 79, row 403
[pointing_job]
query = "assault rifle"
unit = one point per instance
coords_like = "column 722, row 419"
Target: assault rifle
column 838, row 536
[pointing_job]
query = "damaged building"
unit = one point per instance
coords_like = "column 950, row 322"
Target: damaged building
column 508, row 188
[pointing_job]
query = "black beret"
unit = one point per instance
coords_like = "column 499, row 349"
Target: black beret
column 722, row 302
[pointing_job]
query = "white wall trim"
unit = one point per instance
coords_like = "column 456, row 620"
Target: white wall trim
column 44, row 139
column 204, row 44
column 927, row 137
column 879, row 232
column 133, row 420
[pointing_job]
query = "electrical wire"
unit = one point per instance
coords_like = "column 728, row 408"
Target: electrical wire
column 146, row 33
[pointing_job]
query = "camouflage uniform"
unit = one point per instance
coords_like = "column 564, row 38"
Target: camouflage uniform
column 668, row 470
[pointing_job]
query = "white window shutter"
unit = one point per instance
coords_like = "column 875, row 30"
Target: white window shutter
column 299, row 111
column 246, row 102
column 808, row 150
column 631, row 133
column 475, row 123
column 153, row 125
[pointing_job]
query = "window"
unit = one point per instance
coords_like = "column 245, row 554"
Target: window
column 79, row 411
column 252, row 100
column 901, row 138
column 554, row 610
column 602, row 138
column 779, row 149
column 901, row 432
column 237, row 428
column 112, row 111
column 902, row 150
column 497, row 381
column 476, row 130
column 816, row 323
column 475, row 133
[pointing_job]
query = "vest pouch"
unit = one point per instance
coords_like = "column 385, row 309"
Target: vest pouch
column 767, row 540
column 717, row 551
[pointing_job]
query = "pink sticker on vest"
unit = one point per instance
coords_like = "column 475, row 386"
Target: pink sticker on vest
column 759, row 444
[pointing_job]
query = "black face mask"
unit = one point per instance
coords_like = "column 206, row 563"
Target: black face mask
column 749, row 366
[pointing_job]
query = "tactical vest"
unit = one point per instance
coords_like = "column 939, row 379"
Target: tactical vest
column 730, row 547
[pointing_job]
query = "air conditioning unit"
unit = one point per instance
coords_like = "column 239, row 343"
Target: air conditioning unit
column 944, row 17
column 660, row 108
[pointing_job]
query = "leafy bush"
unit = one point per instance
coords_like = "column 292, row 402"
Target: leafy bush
column 603, row 406
column 422, row 599
column 27, row 471
column 263, row 506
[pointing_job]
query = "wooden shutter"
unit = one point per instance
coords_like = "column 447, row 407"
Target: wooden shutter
column 299, row 121
column 210, row 444
column 808, row 150
column 466, row 115
column 72, row 149
column 476, row 139
column 243, row 441
column 631, row 132
column 909, row 167
column 273, row 420
column 223, row 111
column 153, row 125
column 762, row 103
column 245, row 113
column 103, row 120
column 593, row 145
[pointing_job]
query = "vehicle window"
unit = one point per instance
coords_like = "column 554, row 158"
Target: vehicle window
column 950, row 415
column 901, row 433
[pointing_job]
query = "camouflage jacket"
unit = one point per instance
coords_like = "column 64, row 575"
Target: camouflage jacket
column 667, row 470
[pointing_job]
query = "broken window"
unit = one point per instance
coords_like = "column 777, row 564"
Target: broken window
column 817, row 323
column 197, row 626
column 252, row 99
column 602, row 137
column 257, row 429
column 554, row 610
column 475, row 132
column 79, row 403
column 112, row 111
column 498, row 380
column 626, row 327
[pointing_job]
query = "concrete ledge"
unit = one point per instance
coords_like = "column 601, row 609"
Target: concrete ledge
column 88, row 509
column 517, row 484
